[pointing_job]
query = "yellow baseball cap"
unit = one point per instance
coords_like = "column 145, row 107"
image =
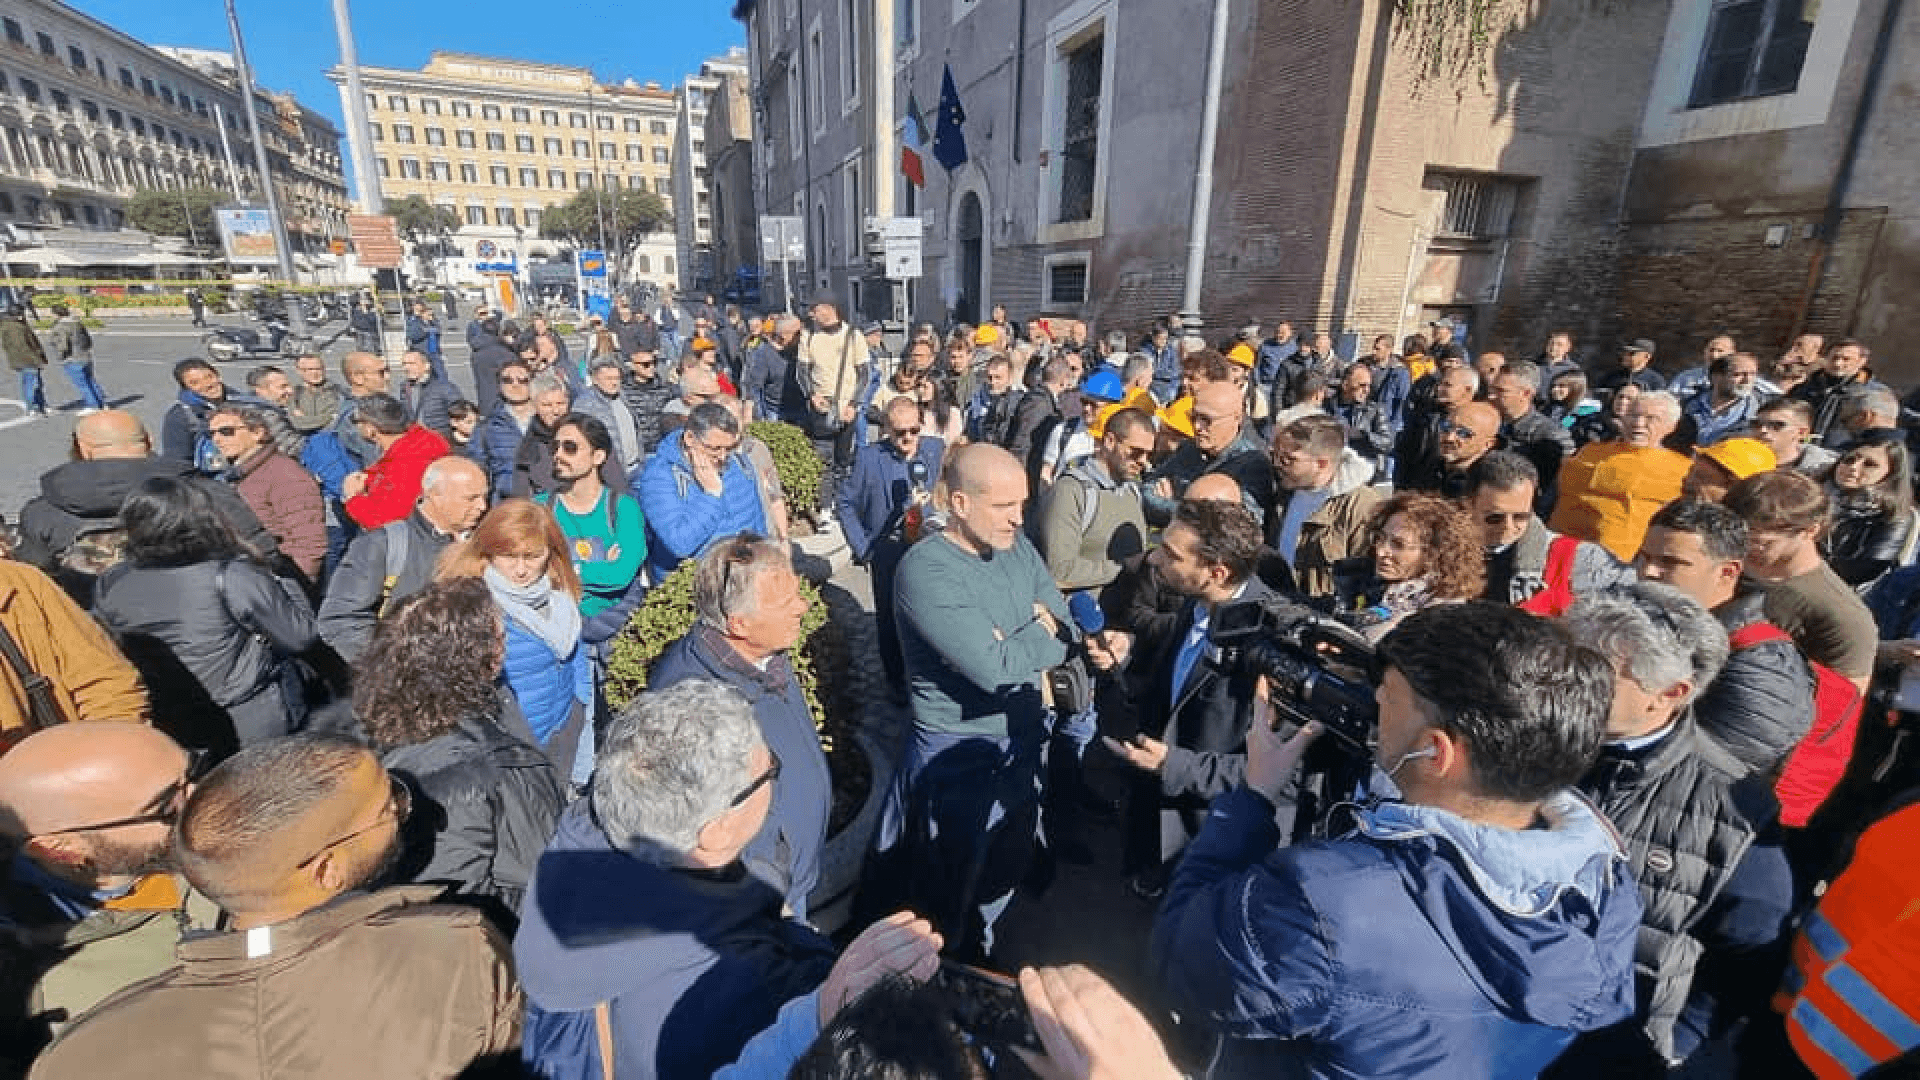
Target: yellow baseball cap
column 1743, row 457
column 1179, row 416
column 1242, row 354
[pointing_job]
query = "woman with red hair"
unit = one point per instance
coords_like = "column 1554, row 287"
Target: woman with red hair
column 1425, row 551
column 519, row 551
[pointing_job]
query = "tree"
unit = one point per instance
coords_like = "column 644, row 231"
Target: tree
column 419, row 220
column 628, row 217
column 187, row 213
column 1451, row 40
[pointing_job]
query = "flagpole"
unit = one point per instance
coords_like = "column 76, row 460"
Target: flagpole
column 1203, row 176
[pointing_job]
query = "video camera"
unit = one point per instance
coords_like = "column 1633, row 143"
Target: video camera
column 1320, row 669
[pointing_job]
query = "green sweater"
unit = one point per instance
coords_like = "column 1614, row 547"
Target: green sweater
column 974, row 651
column 606, row 555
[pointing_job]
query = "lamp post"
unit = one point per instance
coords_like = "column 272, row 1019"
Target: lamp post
column 1203, row 176
column 296, row 318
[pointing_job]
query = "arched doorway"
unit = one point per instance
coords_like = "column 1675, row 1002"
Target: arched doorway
column 970, row 232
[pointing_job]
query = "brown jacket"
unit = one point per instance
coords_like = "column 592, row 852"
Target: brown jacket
column 286, row 499
column 372, row 986
column 91, row 680
column 1341, row 529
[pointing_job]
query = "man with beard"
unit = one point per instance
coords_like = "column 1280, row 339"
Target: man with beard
column 1728, row 403
column 320, row 965
column 86, row 898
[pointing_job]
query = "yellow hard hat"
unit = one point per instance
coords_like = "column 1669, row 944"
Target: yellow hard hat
column 1242, row 354
column 986, row 334
column 1179, row 416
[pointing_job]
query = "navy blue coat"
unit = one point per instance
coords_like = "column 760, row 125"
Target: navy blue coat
column 1420, row 945
column 786, row 853
column 692, row 963
column 499, row 443
column 877, row 485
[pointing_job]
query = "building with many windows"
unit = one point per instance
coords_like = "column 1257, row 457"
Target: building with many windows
column 735, row 232
column 497, row 141
column 89, row 116
column 694, row 230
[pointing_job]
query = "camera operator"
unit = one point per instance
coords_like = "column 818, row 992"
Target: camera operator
column 1473, row 921
column 1193, row 737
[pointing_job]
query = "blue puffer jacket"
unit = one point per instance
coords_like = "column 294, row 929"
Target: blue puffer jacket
column 682, row 519
column 545, row 685
column 1420, row 945
column 499, row 442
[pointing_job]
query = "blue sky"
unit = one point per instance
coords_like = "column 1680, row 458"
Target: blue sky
column 291, row 43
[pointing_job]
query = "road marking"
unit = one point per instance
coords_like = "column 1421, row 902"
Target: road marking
column 23, row 418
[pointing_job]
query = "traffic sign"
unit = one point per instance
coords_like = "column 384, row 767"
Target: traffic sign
column 900, row 239
column 376, row 240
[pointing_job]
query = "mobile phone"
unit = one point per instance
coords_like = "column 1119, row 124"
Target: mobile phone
column 987, row 1006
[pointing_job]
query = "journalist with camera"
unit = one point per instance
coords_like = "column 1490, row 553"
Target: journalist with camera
column 1477, row 916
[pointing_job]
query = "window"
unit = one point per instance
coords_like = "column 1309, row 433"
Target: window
column 30, row 90
column 550, row 117
column 523, row 144
column 1476, row 207
column 1080, row 143
column 146, row 86
column 1754, row 48
column 463, row 138
column 607, row 152
column 610, row 182
column 476, row 215
column 46, row 44
column 373, row 100
column 643, row 264
column 377, row 133
column 1066, row 281
column 496, row 141
column 582, row 148
column 503, row 215
column 532, row 214
column 126, row 79
column 636, row 152
column 793, row 116
column 403, row 133
column 139, row 125
column 461, row 109
column 583, row 181
column 657, row 127
column 906, row 22
column 552, row 146
column 660, row 186
column 604, row 123
column 385, row 169
column 850, row 53
column 489, row 112
column 430, row 106
column 14, row 33
column 578, row 119
column 850, row 207
column 410, row 168
column 703, row 223
column 469, row 173
column 557, row 179
column 522, row 115
column 666, row 264
column 660, row 155
column 397, row 102
column 115, row 120
column 439, row 170
column 436, row 136
column 499, row 175
column 60, row 100
column 816, row 95
column 166, row 94
column 530, row 178
column 77, row 57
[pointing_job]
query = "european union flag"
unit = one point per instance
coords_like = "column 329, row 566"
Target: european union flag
column 949, row 142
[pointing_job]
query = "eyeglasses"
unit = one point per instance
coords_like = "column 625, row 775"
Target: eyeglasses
column 905, row 432
column 170, row 801
column 399, row 800
column 738, row 552
column 514, row 380
column 1459, row 430
column 765, row 778
column 718, row 451
column 225, row 431
column 1497, row 518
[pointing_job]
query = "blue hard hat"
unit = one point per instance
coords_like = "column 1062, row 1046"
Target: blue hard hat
column 1104, row 384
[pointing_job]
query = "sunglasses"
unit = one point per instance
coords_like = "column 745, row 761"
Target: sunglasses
column 225, row 431
column 569, row 446
column 399, row 800
column 514, row 380
column 765, row 778
column 1504, row 519
column 901, row 433
column 171, row 799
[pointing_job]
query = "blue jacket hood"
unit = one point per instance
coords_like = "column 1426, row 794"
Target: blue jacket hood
column 1543, row 920
column 598, row 923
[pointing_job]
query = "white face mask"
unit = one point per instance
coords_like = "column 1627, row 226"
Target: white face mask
column 1380, row 783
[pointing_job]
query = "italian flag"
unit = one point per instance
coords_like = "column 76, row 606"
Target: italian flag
column 913, row 138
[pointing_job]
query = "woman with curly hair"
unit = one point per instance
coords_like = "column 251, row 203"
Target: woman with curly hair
column 521, row 555
column 1425, row 551
column 429, row 702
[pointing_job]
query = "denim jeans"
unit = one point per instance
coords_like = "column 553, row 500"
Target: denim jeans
column 33, row 390
column 81, row 376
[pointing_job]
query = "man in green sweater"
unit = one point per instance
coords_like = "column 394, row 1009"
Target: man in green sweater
column 603, row 527
column 980, row 623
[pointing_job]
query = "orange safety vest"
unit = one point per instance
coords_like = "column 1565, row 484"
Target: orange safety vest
column 1852, row 996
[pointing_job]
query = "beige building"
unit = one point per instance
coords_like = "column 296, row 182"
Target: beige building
column 697, row 97
column 497, row 141
column 89, row 115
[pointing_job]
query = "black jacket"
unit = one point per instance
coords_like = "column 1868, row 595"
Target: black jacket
column 1033, row 421
column 1825, row 393
column 85, row 496
column 1761, row 703
column 485, row 807
column 647, row 400
column 489, row 356
column 1544, row 443
column 357, row 593
column 427, row 404
column 1863, row 542
column 1369, row 430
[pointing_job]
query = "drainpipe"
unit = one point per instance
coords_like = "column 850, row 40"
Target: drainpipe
column 1843, row 176
column 1203, row 176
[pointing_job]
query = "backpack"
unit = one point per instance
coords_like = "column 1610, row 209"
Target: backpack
column 82, row 340
column 1557, row 597
column 1817, row 762
column 397, row 544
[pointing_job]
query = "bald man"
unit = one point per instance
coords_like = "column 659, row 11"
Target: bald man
column 980, row 623
column 320, row 972
column 71, row 529
column 86, row 898
column 1468, row 434
column 1223, row 442
column 768, row 384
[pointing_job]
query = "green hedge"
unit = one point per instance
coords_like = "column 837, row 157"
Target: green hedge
column 797, row 462
column 665, row 617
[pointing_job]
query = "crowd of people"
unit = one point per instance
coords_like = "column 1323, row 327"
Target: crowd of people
column 1478, row 715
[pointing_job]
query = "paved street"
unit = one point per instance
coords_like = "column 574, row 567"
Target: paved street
column 133, row 359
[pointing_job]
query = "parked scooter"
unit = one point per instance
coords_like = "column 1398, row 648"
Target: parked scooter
column 225, row 344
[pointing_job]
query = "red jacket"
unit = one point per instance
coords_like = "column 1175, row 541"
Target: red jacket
column 393, row 482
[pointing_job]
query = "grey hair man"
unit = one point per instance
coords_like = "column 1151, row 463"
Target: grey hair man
column 1526, row 431
column 750, row 607
column 642, row 899
column 1869, row 410
column 1698, row 830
